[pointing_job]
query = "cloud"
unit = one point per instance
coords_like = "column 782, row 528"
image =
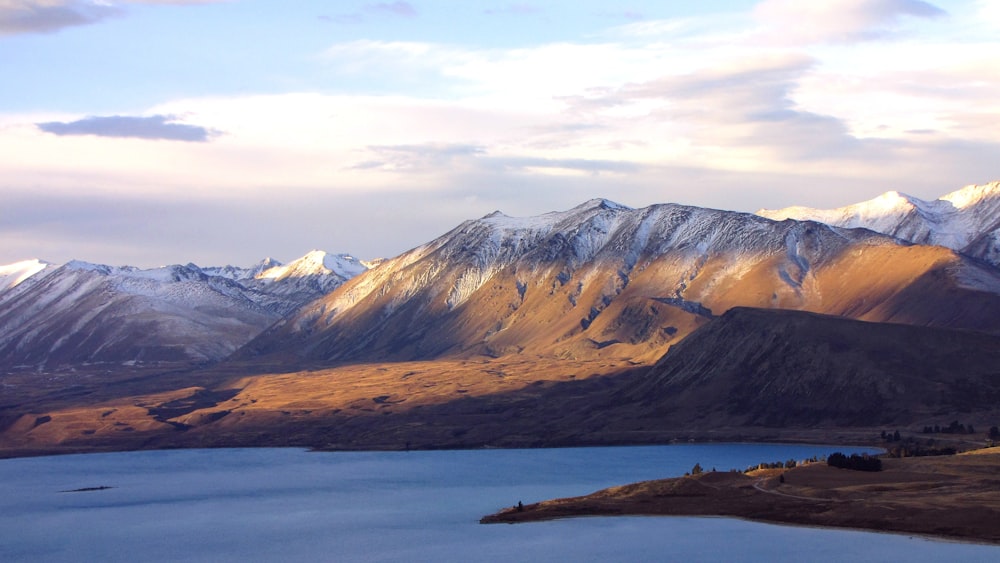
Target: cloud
column 422, row 157
column 518, row 9
column 433, row 157
column 47, row 16
column 564, row 165
column 404, row 9
column 344, row 19
column 393, row 9
column 791, row 21
column 730, row 116
column 702, row 111
column 155, row 127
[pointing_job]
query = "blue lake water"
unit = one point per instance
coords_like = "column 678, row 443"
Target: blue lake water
column 293, row 505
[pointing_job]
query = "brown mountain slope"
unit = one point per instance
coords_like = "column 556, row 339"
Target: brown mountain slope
column 603, row 281
column 748, row 374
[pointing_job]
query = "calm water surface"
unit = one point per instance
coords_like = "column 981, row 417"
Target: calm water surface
column 292, row 505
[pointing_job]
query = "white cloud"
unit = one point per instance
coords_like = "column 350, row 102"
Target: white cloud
column 797, row 22
column 988, row 13
column 662, row 111
column 620, row 108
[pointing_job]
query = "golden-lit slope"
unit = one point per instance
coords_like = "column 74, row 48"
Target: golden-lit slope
column 605, row 281
column 748, row 374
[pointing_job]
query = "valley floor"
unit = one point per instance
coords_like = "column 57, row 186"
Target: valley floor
column 954, row 497
column 446, row 404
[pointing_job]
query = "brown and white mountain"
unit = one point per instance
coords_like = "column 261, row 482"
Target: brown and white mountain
column 605, row 280
column 966, row 220
column 548, row 330
column 81, row 314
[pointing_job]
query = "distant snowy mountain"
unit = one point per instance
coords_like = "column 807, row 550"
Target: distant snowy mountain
column 315, row 274
column 83, row 314
column 967, row 220
column 13, row 274
column 603, row 279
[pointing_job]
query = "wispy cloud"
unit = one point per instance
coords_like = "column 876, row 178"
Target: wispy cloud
column 404, row 9
column 47, row 16
column 154, row 127
column 517, row 9
column 391, row 9
column 433, row 157
column 791, row 21
column 422, row 157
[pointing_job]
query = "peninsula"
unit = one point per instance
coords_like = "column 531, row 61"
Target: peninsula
column 954, row 497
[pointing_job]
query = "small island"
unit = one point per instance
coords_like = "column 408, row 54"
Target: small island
column 953, row 496
column 88, row 489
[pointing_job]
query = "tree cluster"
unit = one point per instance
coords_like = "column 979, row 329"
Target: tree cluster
column 915, row 450
column 954, row 428
column 854, row 461
column 894, row 437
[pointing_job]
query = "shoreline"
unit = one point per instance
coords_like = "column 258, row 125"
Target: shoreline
column 16, row 452
column 951, row 498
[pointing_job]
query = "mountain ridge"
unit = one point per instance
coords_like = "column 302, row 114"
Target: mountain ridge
column 601, row 276
column 966, row 220
column 598, row 324
column 82, row 314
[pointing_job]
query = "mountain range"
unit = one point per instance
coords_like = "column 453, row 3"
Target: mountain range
column 80, row 314
column 599, row 324
column 967, row 220
column 605, row 280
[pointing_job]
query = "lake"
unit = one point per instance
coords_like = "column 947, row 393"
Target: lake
column 293, row 505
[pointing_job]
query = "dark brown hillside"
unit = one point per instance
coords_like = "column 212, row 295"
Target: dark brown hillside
column 794, row 369
column 747, row 375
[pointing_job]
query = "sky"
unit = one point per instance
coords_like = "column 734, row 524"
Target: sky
column 152, row 132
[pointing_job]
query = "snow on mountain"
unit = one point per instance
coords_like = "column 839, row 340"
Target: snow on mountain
column 967, row 220
column 315, row 263
column 599, row 275
column 13, row 274
column 239, row 274
column 83, row 313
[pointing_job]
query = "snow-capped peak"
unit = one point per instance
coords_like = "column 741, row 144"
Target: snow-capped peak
column 965, row 220
column 86, row 266
column 892, row 201
column 237, row 273
column 973, row 194
column 267, row 264
column 601, row 203
column 13, row 274
column 316, row 263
